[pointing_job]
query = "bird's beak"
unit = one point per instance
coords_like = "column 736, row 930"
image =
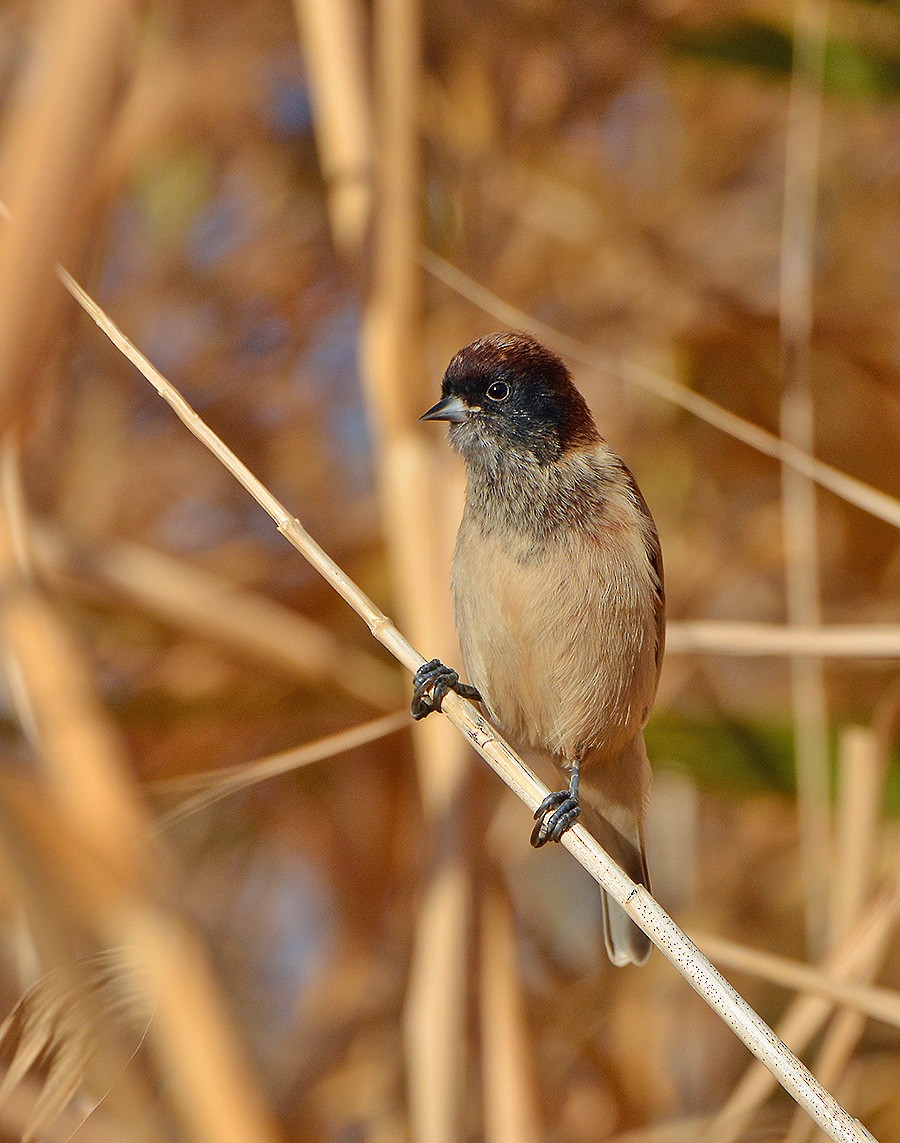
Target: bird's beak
column 449, row 409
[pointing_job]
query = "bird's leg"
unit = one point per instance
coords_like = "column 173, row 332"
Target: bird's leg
column 558, row 810
column 438, row 679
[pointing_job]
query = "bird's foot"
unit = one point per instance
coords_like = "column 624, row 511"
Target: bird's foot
column 436, row 678
column 556, row 813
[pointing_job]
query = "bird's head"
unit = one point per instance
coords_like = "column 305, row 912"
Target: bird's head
column 508, row 395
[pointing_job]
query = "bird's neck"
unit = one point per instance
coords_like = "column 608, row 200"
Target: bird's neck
column 512, row 493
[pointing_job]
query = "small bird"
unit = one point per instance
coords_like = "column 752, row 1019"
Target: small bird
column 559, row 598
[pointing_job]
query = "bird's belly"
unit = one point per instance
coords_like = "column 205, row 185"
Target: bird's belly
column 560, row 645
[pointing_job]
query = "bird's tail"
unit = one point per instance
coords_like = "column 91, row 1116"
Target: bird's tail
column 625, row 942
column 614, row 802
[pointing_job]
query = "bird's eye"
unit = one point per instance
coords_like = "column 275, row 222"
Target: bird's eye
column 498, row 390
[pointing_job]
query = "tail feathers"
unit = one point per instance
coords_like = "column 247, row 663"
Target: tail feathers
column 624, row 842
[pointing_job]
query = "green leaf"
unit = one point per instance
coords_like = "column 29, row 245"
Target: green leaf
column 850, row 70
column 737, row 756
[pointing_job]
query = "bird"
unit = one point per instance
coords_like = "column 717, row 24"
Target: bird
column 559, row 597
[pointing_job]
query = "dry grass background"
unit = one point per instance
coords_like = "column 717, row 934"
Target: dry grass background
column 366, row 948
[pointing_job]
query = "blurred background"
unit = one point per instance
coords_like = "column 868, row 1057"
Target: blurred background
column 299, row 213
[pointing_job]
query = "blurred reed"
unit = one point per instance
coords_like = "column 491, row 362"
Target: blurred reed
column 202, row 602
column 416, row 517
column 95, row 874
column 800, row 527
column 55, row 129
column 510, row 1095
column 637, row 902
column 331, row 36
column 557, row 153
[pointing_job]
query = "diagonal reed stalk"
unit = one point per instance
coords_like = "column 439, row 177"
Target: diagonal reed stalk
column 485, row 739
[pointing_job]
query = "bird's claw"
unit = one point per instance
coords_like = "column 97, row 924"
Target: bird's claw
column 556, row 813
column 430, row 685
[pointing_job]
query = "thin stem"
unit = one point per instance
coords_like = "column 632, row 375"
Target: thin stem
column 217, row 784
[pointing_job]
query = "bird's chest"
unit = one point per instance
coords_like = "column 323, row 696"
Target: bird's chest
column 558, row 640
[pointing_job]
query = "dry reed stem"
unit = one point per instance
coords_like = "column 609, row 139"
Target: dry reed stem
column 211, row 606
column 59, row 1021
column 392, row 351
column 217, row 784
column 860, row 792
column 871, row 500
column 831, row 1062
column 835, row 1054
column 17, row 1112
column 434, row 1015
column 861, row 777
column 839, row 641
column 86, row 777
column 435, row 1011
column 798, row 504
column 57, row 123
column 56, row 703
column 485, row 739
column 67, row 891
column 510, row 1099
column 409, row 480
column 207, row 1078
column 864, row 759
column 806, row 1015
column 840, row 1042
column 206, row 1073
column 878, row 1003
column 331, row 33
column 289, row 526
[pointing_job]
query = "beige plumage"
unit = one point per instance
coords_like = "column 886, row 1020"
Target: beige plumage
column 558, row 592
